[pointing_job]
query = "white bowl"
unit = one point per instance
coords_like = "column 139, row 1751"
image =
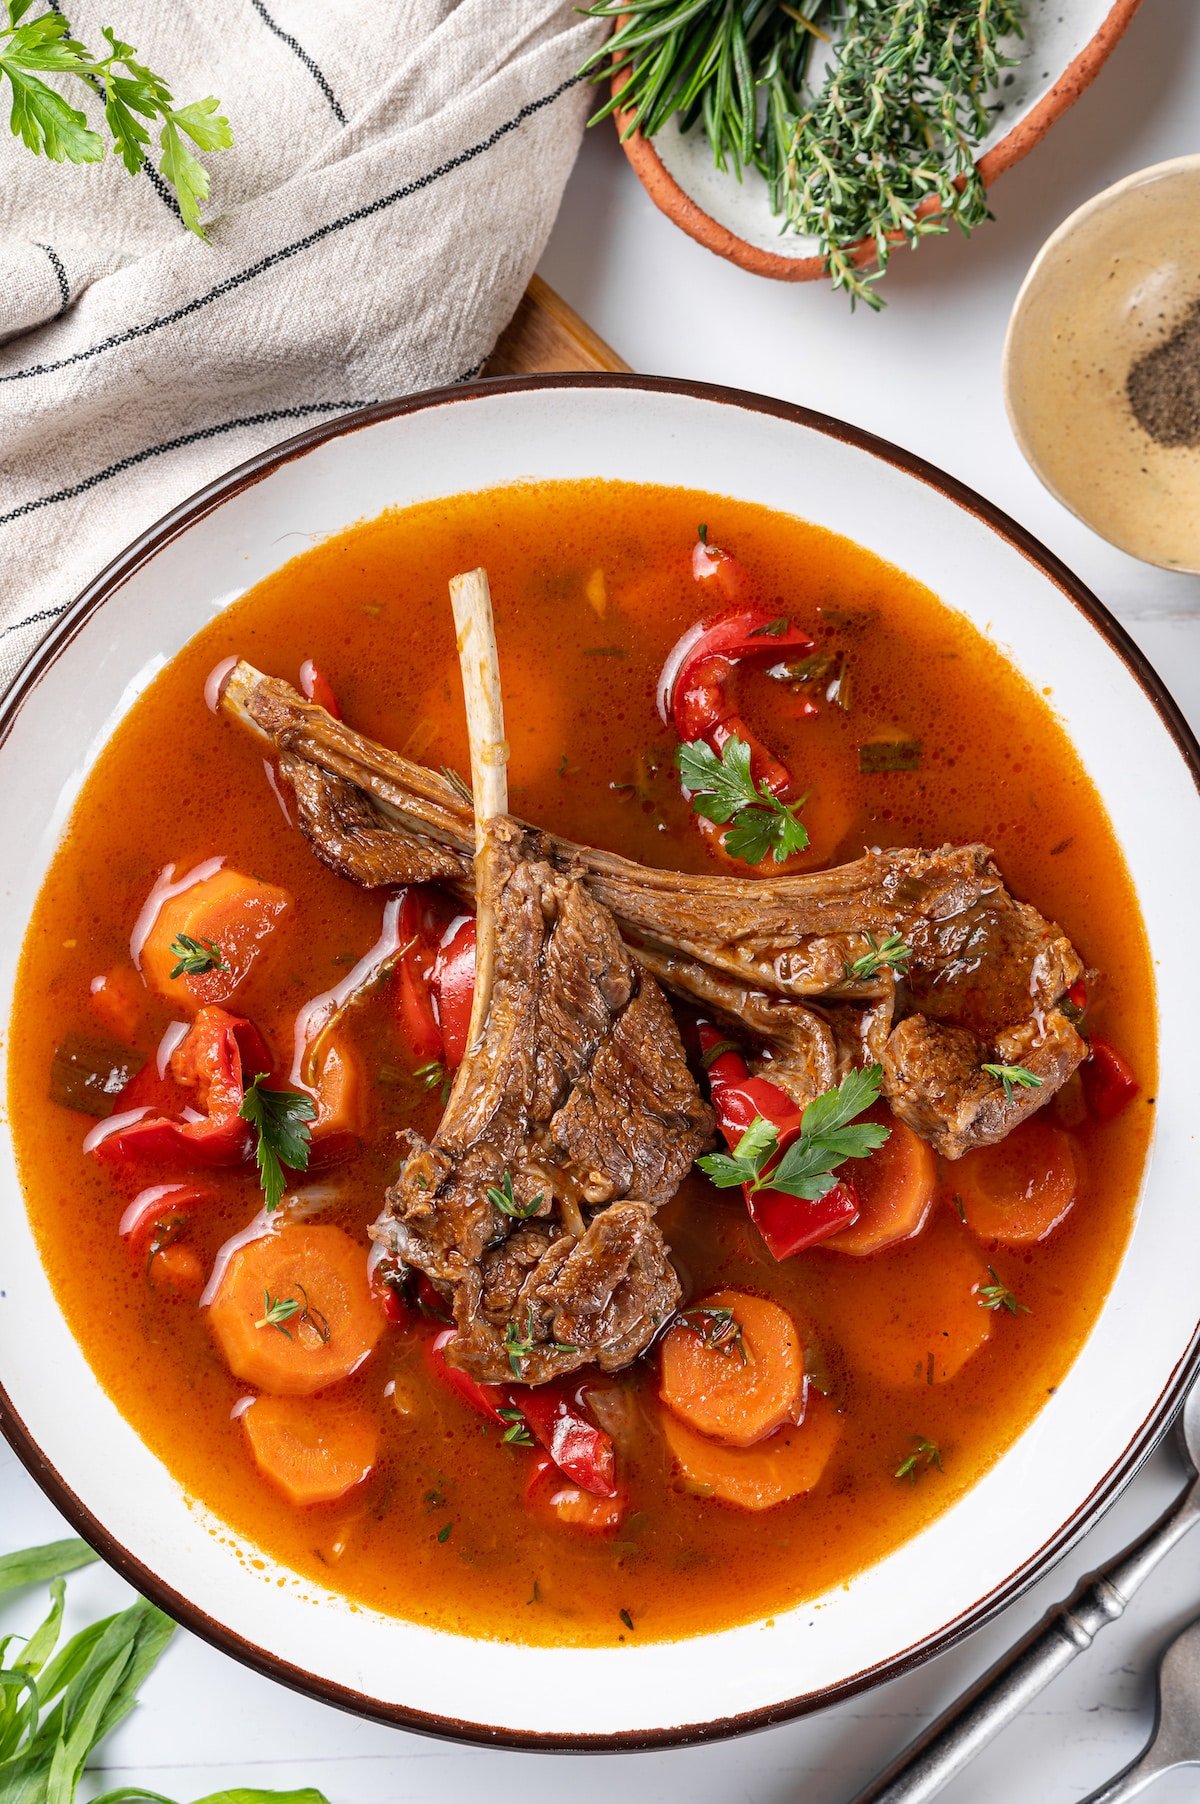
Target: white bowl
column 1116, row 1399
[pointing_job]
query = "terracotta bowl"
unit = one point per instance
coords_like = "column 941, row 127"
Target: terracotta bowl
column 1111, row 287
column 1066, row 48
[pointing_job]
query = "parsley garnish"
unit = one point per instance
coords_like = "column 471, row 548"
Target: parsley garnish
column 1013, row 1077
column 889, row 954
column 924, row 1455
column 717, row 1328
column 49, row 125
column 998, row 1296
column 808, row 1166
column 724, row 789
column 280, row 1119
column 504, row 1200
column 196, row 956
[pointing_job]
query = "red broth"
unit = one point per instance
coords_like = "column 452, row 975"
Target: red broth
column 592, row 585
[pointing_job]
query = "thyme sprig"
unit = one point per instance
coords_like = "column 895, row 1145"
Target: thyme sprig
column 1013, row 1077
column 875, row 143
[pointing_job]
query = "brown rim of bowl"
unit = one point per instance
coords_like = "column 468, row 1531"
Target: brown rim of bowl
column 1163, row 1407
column 691, row 218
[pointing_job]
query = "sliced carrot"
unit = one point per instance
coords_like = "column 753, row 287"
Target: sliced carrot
column 309, row 1286
column 557, row 1500
column 227, row 911
column 339, row 1087
column 312, row 1455
column 919, row 1320
column 118, row 999
column 787, row 1464
column 1019, row 1190
column 896, row 1188
column 733, row 1368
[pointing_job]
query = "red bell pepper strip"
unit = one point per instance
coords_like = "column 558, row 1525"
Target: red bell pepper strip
column 788, row 1224
column 217, row 1057
column 485, row 1399
column 556, row 1416
column 316, row 686
column 425, row 914
column 1108, row 1081
column 580, row 1450
column 453, row 983
column 158, row 1216
column 570, row 1505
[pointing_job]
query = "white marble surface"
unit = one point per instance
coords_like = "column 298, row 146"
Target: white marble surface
column 926, row 373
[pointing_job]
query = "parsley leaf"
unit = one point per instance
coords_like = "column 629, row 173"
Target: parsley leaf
column 280, row 1118
column 48, row 125
column 827, row 1138
column 724, row 789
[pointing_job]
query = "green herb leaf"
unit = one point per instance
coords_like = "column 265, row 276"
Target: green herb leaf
column 502, row 1198
column 717, row 1328
column 808, row 1167
column 130, row 92
column 1013, row 1077
column 277, row 1311
column 889, row 754
column 890, row 954
column 196, row 956
column 772, row 628
column 924, row 1455
column 37, row 1565
column 517, row 1433
column 280, row 1119
column 724, row 789
column 998, row 1296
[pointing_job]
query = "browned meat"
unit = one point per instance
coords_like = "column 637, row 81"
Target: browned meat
column 771, row 955
column 934, row 1080
column 577, row 1091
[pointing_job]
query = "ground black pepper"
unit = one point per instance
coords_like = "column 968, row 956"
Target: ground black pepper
column 1164, row 386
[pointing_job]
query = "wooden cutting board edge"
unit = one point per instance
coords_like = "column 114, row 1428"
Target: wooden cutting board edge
column 546, row 336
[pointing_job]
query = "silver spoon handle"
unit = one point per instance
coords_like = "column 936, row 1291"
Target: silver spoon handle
column 959, row 1734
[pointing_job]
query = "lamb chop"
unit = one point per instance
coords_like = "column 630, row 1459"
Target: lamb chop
column 987, row 973
column 572, row 1117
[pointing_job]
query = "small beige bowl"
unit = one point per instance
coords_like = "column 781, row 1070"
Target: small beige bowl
column 1118, row 279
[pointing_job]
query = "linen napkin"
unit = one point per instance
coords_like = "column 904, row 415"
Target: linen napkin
column 396, row 170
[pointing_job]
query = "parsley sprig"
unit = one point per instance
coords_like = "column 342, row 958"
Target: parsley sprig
column 196, row 956
column 828, row 1136
column 1013, row 1077
column 133, row 96
column 280, row 1119
column 890, row 954
column 724, row 789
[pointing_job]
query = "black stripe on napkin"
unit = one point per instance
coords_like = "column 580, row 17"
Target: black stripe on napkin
column 300, row 244
column 297, row 48
column 60, row 276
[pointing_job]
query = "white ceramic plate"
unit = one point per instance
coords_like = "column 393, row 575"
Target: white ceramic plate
column 1105, row 1415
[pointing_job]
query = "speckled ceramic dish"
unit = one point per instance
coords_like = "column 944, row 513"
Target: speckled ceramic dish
column 1066, row 46
column 1116, row 284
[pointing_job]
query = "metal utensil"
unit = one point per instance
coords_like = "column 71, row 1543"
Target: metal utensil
column 953, row 1741
column 1175, row 1740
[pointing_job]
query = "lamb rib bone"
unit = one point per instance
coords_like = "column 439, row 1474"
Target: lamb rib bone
column 982, row 961
column 574, row 1092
